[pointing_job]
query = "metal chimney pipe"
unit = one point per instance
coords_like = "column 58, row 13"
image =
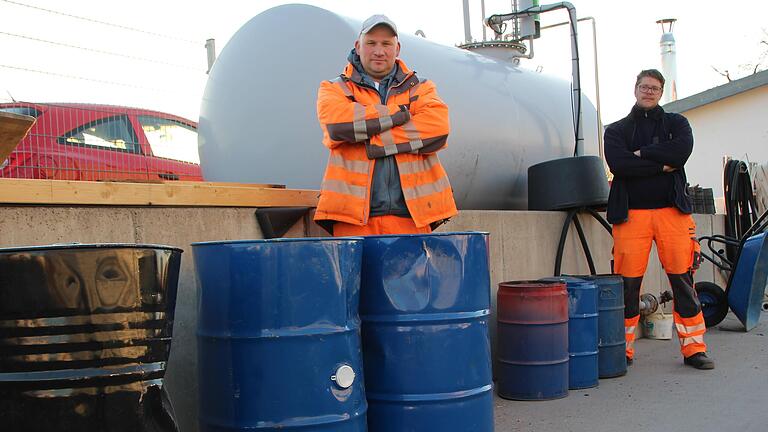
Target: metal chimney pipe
column 668, row 60
column 467, row 29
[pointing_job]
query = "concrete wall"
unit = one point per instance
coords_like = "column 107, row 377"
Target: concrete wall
column 523, row 246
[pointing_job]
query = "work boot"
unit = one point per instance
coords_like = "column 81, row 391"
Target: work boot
column 700, row 361
column 630, row 360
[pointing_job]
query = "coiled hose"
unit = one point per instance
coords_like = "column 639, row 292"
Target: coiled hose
column 740, row 204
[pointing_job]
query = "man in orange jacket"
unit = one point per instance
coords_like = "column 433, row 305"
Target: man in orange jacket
column 646, row 152
column 383, row 126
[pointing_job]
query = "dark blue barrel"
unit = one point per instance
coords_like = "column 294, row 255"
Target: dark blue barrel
column 279, row 335
column 425, row 302
column 532, row 340
column 85, row 333
column 612, row 356
column 582, row 332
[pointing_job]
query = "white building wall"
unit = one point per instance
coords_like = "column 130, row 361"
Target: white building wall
column 736, row 126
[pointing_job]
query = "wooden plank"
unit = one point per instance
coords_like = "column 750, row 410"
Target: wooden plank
column 228, row 184
column 192, row 194
column 13, row 128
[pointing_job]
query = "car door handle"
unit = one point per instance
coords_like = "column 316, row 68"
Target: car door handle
column 168, row 176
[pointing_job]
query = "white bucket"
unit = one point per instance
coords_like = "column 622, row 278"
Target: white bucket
column 658, row 326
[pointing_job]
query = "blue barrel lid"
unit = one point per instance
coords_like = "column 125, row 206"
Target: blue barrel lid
column 572, row 282
column 277, row 240
column 599, row 277
column 439, row 234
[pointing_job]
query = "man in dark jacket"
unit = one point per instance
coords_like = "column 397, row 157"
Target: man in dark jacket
column 646, row 152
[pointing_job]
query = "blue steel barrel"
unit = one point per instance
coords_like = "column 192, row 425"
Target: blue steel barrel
column 425, row 302
column 85, row 333
column 582, row 332
column 279, row 335
column 749, row 280
column 532, row 339
column 612, row 356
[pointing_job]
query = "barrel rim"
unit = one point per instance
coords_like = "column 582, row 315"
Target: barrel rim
column 574, row 282
column 277, row 241
column 532, row 284
column 81, row 246
column 596, row 276
column 434, row 234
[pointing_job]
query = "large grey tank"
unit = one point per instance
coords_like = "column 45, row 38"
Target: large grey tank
column 258, row 120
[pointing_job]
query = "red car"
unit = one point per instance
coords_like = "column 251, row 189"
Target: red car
column 102, row 142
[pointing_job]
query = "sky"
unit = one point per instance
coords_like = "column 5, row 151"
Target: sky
column 151, row 54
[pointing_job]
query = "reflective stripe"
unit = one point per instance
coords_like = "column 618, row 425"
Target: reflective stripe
column 413, row 136
column 385, row 121
column 361, row 129
column 413, row 89
column 630, row 330
column 418, row 166
column 343, row 86
column 692, row 340
column 356, row 166
column 420, row 191
column 681, row 328
column 389, row 150
column 386, row 136
column 342, row 187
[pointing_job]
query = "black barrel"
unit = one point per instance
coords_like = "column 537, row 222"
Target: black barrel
column 85, row 333
column 567, row 183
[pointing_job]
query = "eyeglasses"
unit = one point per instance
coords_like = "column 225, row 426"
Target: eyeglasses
column 649, row 89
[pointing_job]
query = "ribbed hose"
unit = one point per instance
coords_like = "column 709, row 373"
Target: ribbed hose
column 740, row 204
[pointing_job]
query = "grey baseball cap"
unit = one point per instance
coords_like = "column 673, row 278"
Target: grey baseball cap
column 375, row 20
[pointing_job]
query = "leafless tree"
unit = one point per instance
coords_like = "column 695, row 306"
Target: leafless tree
column 744, row 69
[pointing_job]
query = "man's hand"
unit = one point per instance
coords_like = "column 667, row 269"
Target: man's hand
column 668, row 168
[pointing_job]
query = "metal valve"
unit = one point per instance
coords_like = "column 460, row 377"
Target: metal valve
column 650, row 304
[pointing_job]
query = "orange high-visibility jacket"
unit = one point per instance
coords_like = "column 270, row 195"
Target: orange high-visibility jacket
column 357, row 129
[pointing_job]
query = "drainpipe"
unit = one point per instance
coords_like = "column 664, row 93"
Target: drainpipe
column 601, row 150
column 495, row 22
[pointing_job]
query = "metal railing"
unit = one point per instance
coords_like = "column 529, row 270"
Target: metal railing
column 101, row 142
column 102, row 65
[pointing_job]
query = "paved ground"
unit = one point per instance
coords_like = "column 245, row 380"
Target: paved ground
column 660, row 394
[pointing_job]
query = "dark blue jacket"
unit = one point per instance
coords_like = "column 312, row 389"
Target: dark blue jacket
column 671, row 144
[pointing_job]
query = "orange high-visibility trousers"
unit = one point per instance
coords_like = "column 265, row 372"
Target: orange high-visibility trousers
column 675, row 236
column 380, row 225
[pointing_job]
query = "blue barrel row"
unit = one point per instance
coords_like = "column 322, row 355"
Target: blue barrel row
column 280, row 337
column 557, row 334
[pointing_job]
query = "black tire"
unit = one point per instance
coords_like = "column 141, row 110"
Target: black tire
column 714, row 303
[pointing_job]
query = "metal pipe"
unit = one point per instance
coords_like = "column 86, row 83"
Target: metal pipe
column 210, row 47
column 482, row 13
column 495, row 22
column 530, row 49
column 601, row 148
column 668, row 60
column 467, row 29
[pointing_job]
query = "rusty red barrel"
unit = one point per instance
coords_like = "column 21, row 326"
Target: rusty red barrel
column 532, row 320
